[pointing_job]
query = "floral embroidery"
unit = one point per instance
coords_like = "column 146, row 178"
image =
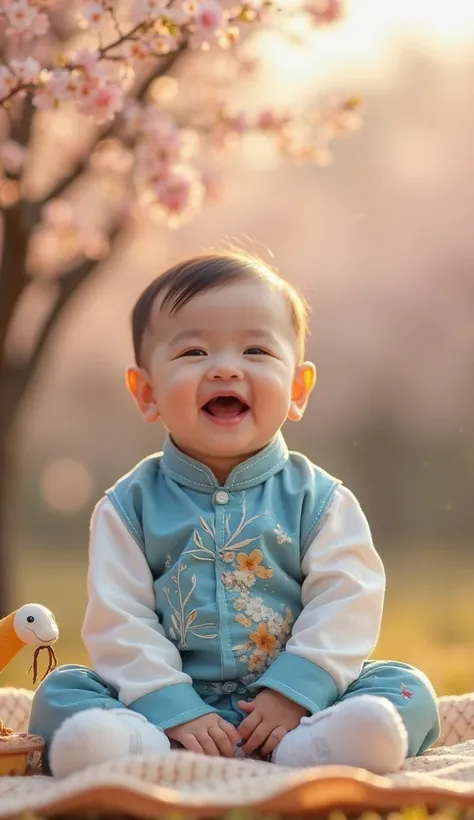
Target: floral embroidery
column 268, row 630
column 203, row 553
column 267, row 640
column 263, row 640
column 251, row 564
column 281, row 536
column 264, row 643
column 242, row 619
column 183, row 622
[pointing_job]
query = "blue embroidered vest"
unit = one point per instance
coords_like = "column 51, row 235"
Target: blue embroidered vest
column 225, row 560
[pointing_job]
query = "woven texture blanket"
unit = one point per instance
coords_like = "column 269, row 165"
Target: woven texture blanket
column 203, row 786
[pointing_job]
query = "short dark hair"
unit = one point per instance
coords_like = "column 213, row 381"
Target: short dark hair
column 186, row 279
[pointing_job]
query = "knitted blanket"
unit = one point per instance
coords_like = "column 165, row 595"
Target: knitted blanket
column 204, row 787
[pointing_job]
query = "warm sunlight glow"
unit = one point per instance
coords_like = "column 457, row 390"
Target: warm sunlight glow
column 365, row 46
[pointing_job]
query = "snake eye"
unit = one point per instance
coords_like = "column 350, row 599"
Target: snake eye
column 30, row 619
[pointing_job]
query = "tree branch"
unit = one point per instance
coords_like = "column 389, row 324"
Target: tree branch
column 166, row 64
column 21, row 131
column 69, row 284
column 13, row 276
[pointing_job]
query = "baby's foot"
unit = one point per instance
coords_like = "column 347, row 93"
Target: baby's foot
column 365, row 731
column 96, row 735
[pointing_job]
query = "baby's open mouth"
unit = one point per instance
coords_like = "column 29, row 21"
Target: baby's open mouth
column 226, row 407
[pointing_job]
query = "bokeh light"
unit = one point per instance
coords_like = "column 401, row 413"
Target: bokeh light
column 66, row 485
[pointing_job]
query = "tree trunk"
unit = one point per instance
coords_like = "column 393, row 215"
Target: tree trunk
column 5, row 596
column 13, row 281
column 8, row 411
column 15, row 381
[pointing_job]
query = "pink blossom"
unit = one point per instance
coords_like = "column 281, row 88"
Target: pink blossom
column 12, row 156
column 190, row 7
column 92, row 13
column 58, row 85
column 155, row 151
column 86, row 87
column 177, row 14
column 162, row 144
column 88, row 60
column 146, row 9
column 271, row 121
column 26, row 71
column 325, row 12
column 209, row 22
column 20, row 14
column 105, row 102
column 156, row 155
column 180, row 192
column 164, row 44
column 238, row 123
column 25, row 20
column 137, row 50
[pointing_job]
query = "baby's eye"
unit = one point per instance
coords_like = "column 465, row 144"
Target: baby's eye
column 194, row 351
column 256, row 351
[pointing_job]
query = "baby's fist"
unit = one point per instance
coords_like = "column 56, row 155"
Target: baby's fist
column 270, row 717
column 206, row 735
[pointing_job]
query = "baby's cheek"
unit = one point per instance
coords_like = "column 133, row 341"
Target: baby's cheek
column 275, row 387
column 183, row 387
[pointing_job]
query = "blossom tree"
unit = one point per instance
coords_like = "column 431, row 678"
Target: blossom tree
column 112, row 112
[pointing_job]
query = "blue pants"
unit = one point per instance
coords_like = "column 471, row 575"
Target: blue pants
column 71, row 689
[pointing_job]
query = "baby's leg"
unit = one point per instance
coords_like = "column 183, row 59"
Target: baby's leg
column 388, row 713
column 84, row 724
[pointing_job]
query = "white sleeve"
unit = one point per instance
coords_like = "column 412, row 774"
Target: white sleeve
column 342, row 594
column 121, row 631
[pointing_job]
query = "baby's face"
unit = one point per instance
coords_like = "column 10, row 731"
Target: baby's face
column 223, row 372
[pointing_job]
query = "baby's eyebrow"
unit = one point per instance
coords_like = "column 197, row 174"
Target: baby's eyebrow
column 185, row 335
column 261, row 334
column 192, row 334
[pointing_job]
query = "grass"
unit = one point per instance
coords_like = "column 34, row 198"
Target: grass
column 428, row 616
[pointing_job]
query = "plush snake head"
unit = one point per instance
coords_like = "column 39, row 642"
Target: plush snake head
column 35, row 625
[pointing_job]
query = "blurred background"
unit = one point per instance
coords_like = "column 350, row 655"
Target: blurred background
column 381, row 243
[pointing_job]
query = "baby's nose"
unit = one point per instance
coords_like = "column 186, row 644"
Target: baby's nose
column 226, row 370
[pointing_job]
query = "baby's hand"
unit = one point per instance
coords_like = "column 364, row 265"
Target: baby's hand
column 271, row 717
column 206, row 735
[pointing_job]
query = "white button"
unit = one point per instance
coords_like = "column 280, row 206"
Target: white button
column 222, row 497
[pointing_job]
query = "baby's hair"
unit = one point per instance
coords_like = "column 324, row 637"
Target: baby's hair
column 197, row 274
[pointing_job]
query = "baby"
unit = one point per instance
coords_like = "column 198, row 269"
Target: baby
column 234, row 592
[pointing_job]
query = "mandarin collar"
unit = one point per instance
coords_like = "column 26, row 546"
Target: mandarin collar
column 193, row 474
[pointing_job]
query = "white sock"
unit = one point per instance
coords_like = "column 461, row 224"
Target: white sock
column 365, row 731
column 97, row 735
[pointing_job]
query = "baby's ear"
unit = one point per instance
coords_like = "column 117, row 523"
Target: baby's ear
column 141, row 388
column 303, row 384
